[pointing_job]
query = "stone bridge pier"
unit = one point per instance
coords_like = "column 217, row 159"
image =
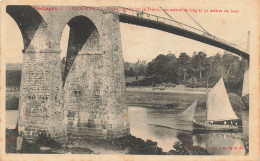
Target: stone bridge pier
column 90, row 99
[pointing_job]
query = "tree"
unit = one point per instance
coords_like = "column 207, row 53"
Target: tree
column 195, row 70
column 198, row 63
column 183, row 65
column 127, row 65
column 134, row 69
column 141, row 69
column 130, row 72
column 233, row 73
column 163, row 68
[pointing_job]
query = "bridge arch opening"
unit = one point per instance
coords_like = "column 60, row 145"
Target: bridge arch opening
column 15, row 42
column 28, row 20
column 82, row 79
column 82, row 37
column 22, row 24
column 15, row 45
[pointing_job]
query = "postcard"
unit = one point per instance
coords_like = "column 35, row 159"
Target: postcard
column 130, row 80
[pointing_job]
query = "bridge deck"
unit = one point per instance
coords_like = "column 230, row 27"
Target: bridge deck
column 160, row 23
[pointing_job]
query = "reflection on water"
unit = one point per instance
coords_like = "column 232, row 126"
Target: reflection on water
column 161, row 126
column 11, row 118
column 220, row 143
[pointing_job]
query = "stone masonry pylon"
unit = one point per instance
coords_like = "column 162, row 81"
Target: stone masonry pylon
column 91, row 99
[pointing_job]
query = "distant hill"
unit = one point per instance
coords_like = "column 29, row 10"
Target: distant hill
column 13, row 66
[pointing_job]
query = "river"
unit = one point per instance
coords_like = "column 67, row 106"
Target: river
column 160, row 125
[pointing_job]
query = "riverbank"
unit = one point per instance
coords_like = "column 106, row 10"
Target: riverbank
column 168, row 98
column 177, row 89
column 177, row 98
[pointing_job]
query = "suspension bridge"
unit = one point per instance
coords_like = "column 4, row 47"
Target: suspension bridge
column 170, row 25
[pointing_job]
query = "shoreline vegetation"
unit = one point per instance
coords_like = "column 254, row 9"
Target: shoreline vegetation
column 196, row 71
column 89, row 145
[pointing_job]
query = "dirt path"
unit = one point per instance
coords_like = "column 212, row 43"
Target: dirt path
column 169, row 90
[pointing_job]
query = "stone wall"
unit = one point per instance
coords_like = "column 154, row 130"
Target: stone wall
column 90, row 100
column 94, row 88
column 40, row 107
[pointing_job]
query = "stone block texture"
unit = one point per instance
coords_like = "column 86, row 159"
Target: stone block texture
column 90, row 100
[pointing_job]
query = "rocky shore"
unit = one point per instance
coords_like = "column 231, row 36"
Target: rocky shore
column 124, row 145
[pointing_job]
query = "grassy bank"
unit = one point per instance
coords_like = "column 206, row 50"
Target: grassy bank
column 177, row 99
column 163, row 99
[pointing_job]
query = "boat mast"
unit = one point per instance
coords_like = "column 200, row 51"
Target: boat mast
column 207, row 100
column 248, row 41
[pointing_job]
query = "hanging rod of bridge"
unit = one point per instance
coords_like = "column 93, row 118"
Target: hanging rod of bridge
column 121, row 11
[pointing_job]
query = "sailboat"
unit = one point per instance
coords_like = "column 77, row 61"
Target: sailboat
column 219, row 112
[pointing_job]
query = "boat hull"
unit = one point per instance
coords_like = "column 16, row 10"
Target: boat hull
column 203, row 126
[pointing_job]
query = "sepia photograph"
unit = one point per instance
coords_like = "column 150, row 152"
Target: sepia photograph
column 129, row 79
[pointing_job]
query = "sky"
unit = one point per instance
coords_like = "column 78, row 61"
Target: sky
column 145, row 44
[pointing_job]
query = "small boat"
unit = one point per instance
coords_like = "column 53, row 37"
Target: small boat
column 219, row 112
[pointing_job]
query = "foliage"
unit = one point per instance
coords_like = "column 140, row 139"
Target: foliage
column 181, row 149
column 245, row 100
column 30, row 147
column 138, row 146
column 143, row 82
column 42, row 140
column 196, row 71
column 134, row 69
column 163, row 69
column 183, row 64
column 45, row 140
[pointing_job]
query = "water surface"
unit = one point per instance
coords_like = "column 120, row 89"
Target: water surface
column 161, row 126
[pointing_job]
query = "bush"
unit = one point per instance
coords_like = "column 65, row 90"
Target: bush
column 30, row 147
column 143, row 82
column 245, row 100
column 236, row 102
column 45, row 140
column 181, row 149
column 10, row 139
column 138, row 146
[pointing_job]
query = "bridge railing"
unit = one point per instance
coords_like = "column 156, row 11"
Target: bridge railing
column 140, row 14
column 123, row 10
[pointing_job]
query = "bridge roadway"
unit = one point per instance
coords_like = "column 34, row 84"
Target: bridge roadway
column 130, row 16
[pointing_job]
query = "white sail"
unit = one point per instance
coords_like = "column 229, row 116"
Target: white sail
column 218, row 104
column 188, row 113
column 245, row 89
